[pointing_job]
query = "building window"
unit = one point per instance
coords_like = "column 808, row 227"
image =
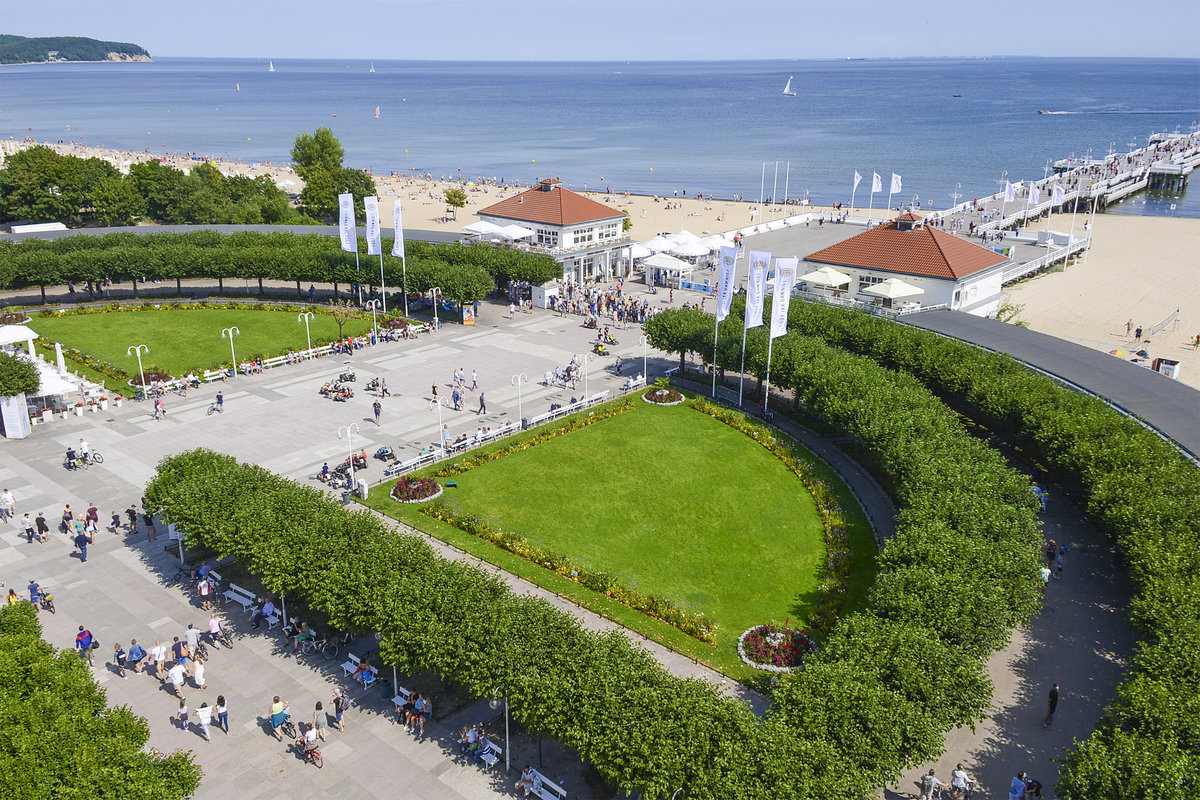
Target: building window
column 867, row 281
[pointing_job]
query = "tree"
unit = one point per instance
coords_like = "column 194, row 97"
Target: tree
column 626, row 222
column 456, row 199
column 679, row 330
column 17, row 376
column 319, row 150
column 64, row 741
column 342, row 310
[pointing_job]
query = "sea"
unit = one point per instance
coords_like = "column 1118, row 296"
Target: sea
column 952, row 128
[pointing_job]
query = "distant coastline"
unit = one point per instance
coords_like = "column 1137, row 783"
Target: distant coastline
column 18, row 50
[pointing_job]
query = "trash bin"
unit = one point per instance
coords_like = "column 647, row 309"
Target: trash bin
column 524, row 423
column 346, row 497
column 386, row 692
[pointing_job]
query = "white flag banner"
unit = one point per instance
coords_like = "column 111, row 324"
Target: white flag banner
column 1010, row 192
column 1057, row 194
column 725, row 280
column 346, row 222
column 756, row 287
column 785, row 278
column 895, row 184
column 398, row 227
column 374, row 246
column 876, row 183
column 1035, row 194
column 857, row 179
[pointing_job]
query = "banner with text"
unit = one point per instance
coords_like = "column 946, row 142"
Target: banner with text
column 374, row 245
column 346, row 222
column 785, row 278
column 756, row 287
column 398, row 226
column 725, row 280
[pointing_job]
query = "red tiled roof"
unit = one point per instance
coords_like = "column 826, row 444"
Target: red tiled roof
column 923, row 250
column 555, row 207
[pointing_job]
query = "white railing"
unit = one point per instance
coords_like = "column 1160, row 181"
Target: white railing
column 1022, row 270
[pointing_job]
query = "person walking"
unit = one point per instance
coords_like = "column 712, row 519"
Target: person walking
column 7, row 505
column 119, row 658
column 27, row 525
column 214, row 628
column 203, row 716
column 151, row 531
column 43, row 527
column 222, row 712
column 378, row 409
column 1137, row 334
column 159, row 654
column 474, row 381
column 67, row 520
column 116, row 522
column 340, row 704
column 83, row 645
column 383, row 390
column 198, row 675
column 482, row 405
column 1016, row 789
column 81, row 541
column 176, row 674
column 1128, row 327
column 131, row 515
column 220, row 403
column 1051, row 706
column 278, row 714
column 929, row 784
column 137, row 655
column 319, row 720
column 182, row 714
column 961, row 782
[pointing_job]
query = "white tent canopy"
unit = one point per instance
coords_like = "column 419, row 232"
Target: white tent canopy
column 684, row 237
column 893, row 289
column 666, row 263
column 638, row 251
column 483, row 228
column 689, row 249
column 515, row 232
column 716, row 241
column 659, row 243
column 15, row 334
column 825, row 276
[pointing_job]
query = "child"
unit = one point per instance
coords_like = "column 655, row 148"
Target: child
column 1058, row 561
column 119, row 659
column 116, row 522
column 183, row 714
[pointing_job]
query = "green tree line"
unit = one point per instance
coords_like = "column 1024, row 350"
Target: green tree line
column 25, row 49
column 60, row 740
column 463, row 273
column 959, row 575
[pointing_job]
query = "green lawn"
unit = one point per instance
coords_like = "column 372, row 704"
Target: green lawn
column 186, row 339
column 681, row 504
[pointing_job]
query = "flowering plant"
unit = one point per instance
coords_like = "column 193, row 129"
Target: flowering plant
column 663, row 396
column 414, row 490
column 774, row 647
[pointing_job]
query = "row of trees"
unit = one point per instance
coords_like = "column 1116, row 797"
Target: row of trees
column 463, row 273
column 40, row 185
column 958, row 576
column 1135, row 486
column 60, row 739
column 26, row 49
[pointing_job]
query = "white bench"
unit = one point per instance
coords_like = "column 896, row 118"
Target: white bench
column 546, row 788
column 237, row 594
column 634, row 383
column 402, row 698
column 491, row 754
column 350, row 666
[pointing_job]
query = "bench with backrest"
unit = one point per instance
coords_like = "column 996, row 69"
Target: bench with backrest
column 633, row 383
column 401, row 700
column 236, row 594
column 546, row 788
column 350, row 666
column 490, row 754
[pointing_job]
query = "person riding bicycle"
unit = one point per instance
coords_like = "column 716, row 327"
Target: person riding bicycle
column 220, row 402
column 85, row 452
column 72, row 458
column 309, row 739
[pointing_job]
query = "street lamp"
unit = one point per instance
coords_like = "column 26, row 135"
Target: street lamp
column 137, row 350
column 518, row 379
column 441, row 440
column 956, row 194
column 495, row 704
column 231, row 332
column 586, row 359
column 374, row 305
column 435, row 290
column 350, row 430
column 304, row 317
column 645, row 352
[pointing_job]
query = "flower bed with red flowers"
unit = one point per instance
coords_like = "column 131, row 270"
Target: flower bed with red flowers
column 415, row 490
column 662, row 396
column 149, row 377
column 775, row 648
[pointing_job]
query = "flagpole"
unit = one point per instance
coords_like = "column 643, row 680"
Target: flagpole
column 742, row 369
column 1004, row 189
column 762, row 187
column 786, row 178
column 767, row 382
column 382, row 286
column 853, row 189
column 1028, row 196
column 892, row 184
column 404, row 282
column 358, row 275
column 871, row 207
column 716, row 333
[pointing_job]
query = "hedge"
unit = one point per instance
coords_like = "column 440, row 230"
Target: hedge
column 1135, row 486
column 60, row 740
column 251, row 255
column 961, row 573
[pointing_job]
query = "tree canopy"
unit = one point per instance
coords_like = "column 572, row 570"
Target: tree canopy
column 317, row 159
column 17, row 375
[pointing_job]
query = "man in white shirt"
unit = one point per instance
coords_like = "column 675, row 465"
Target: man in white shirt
column 961, row 782
column 159, row 654
column 175, row 674
column 192, row 634
column 268, row 608
column 7, row 505
column 85, row 451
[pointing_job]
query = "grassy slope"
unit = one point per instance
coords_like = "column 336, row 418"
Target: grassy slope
column 180, row 340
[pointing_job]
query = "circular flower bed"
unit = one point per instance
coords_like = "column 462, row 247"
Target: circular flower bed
column 775, row 648
column 14, row 319
column 416, row 490
column 663, row 397
column 149, row 378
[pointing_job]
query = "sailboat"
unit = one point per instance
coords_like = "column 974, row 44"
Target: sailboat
column 372, row 67
column 270, row 66
column 788, row 90
column 376, row 112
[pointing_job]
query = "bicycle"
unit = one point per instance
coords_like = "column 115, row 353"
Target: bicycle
column 92, row 457
column 181, row 574
column 324, row 645
column 181, row 390
column 215, row 408
column 311, row 754
column 288, row 728
column 201, row 650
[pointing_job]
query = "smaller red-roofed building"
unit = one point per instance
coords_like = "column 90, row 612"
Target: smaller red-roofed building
column 949, row 271
column 583, row 235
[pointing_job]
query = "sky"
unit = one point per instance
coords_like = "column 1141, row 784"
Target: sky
column 644, row 30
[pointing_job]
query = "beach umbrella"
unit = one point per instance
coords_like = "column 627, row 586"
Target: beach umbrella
column 684, row 237
column 1120, row 353
column 658, row 244
column 515, row 232
column 689, row 250
column 637, row 251
column 716, row 241
column 483, row 228
column 893, row 289
column 825, row 276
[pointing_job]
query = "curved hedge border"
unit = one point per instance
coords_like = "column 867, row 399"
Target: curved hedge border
column 1138, row 488
column 960, row 573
